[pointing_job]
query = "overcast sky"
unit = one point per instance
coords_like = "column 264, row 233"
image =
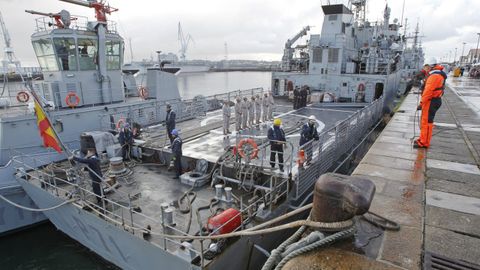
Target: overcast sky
column 253, row 29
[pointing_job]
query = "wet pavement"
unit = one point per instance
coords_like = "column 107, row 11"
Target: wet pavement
column 433, row 194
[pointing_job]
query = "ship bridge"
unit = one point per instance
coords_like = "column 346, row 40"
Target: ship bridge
column 79, row 58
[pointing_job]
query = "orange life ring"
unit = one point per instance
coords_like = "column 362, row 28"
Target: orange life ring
column 143, row 92
column 120, row 122
column 23, row 96
column 68, row 100
column 252, row 143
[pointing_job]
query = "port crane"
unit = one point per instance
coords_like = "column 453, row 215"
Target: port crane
column 184, row 42
column 9, row 58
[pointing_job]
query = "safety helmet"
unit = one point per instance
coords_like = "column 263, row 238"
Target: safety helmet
column 169, row 105
column 277, row 122
column 175, row 132
column 126, row 125
column 312, row 117
column 432, row 61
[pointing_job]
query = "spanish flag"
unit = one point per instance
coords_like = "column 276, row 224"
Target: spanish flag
column 46, row 129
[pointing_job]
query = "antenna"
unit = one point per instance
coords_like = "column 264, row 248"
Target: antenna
column 131, row 50
column 226, row 56
column 184, row 42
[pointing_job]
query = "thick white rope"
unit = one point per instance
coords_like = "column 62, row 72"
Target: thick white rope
column 36, row 209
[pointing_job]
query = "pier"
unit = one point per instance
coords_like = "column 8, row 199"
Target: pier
column 434, row 194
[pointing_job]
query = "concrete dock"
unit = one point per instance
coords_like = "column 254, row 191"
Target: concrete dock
column 433, row 194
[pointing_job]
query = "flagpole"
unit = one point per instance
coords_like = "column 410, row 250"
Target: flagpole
column 68, row 153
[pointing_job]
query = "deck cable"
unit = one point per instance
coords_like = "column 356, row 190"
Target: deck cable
column 36, row 209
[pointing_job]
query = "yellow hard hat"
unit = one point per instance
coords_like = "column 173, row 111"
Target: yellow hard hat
column 277, row 122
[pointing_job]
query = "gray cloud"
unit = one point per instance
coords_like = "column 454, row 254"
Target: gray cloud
column 252, row 28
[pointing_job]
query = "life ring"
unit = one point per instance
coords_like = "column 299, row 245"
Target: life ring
column 361, row 87
column 143, row 92
column 70, row 103
column 120, row 123
column 252, row 143
column 23, row 96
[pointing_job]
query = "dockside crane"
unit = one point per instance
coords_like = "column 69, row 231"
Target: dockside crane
column 9, row 58
column 184, row 42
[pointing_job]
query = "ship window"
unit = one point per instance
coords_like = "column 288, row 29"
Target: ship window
column 333, row 55
column 317, row 55
column 45, row 54
column 343, row 28
column 112, row 50
column 332, row 17
column 88, row 54
column 66, row 53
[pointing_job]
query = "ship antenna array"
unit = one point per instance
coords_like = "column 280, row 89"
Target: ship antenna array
column 9, row 57
column 184, row 42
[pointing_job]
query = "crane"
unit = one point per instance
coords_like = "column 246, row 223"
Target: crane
column 184, row 42
column 288, row 51
column 9, row 57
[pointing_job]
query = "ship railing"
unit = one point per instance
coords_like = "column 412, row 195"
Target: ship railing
column 121, row 215
column 125, row 216
column 46, row 23
column 264, row 153
column 323, row 154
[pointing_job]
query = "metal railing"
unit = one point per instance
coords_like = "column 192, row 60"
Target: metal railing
column 126, row 217
column 321, row 155
column 46, row 23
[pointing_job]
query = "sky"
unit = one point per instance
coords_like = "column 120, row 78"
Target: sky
column 252, row 29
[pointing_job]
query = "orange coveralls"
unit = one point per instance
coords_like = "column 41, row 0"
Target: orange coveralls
column 431, row 102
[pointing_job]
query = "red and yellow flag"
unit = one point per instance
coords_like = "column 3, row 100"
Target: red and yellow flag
column 46, row 129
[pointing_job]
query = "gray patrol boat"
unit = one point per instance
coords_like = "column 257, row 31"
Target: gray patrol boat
column 84, row 88
column 229, row 205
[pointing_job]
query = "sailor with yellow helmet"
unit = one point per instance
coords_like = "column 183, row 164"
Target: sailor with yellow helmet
column 276, row 135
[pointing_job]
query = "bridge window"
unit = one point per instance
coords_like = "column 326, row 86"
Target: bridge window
column 45, row 54
column 317, row 55
column 88, row 54
column 333, row 55
column 66, row 53
column 112, row 49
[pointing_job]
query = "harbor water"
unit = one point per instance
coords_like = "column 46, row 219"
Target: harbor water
column 44, row 247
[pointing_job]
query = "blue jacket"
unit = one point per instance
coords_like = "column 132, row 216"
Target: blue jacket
column 170, row 120
column 177, row 146
column 125, row 136
column 94, row 164
column 276, row 133
column 308, row 133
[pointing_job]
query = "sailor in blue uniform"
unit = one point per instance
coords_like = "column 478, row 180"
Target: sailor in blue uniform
column 177, row 153
column 309, row 132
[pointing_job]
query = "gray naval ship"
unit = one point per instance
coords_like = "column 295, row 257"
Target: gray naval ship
column 352, row 60
column 84, row 88
column 229, row 205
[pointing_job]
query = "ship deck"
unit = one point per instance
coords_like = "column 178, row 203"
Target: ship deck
column 151, row 184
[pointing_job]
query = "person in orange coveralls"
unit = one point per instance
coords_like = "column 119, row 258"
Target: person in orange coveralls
column 430, row 103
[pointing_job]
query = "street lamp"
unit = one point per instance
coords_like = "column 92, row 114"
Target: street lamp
column 455, row 57
column 461, row 56
column 476, row 51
